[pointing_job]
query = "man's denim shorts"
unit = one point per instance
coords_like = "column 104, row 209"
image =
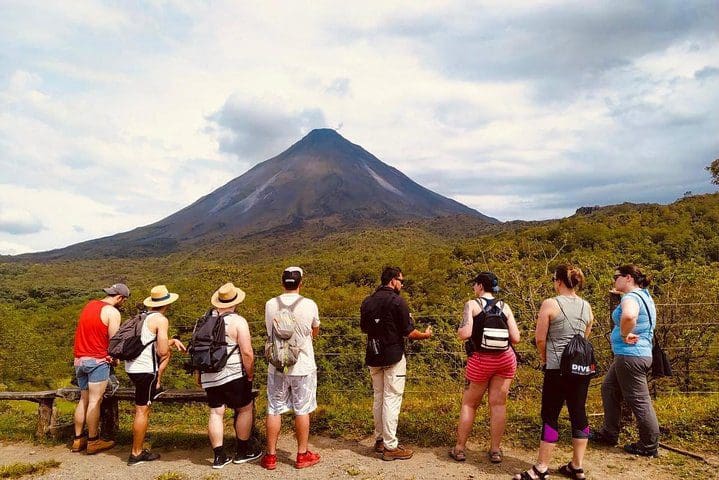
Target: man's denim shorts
column 91, row 371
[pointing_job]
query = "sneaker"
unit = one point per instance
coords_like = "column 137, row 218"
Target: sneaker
column 269, row 461
column 599, row 438
column 306, row 459
column 159, row 391
column 99, row 445
column 252, row 453
column 399, row 453
column 144, row 456
column 79, row 444
column 636, row 449
column 379, row 445
column 221, row 459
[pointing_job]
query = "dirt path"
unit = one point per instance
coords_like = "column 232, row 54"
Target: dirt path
column 345, row 459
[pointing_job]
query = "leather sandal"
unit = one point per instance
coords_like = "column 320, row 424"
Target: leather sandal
column 458, row 455
column 495, row 457
column 527, row 475
column 569, row 471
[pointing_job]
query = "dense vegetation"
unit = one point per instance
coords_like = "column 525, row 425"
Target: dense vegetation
column 678, row 245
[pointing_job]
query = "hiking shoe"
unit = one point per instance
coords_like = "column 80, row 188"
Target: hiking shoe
column 269, row 461
column 379, row 445
column 399, row 453
column 221, row 459
column 144, row 456
column 306, row 459
column 636, row 449
column 79, row 444
column 252, row 453
column 99, row 445
column 599, row 438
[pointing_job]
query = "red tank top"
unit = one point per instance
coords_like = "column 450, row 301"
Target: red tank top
column 91, row 334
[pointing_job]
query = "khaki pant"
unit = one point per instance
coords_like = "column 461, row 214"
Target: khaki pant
column 388, row 385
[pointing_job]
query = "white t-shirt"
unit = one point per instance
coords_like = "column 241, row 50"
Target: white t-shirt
column 147, row 361
column 308, row 317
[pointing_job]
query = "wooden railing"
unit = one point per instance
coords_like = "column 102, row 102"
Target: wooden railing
column 109, row 412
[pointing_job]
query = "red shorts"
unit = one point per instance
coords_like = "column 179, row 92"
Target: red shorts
column 482, row 366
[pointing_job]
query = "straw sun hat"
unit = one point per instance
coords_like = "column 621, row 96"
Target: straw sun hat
column 160, row 296
column 227, row 296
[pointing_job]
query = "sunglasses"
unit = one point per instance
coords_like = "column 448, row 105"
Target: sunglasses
column 617, row 275
column 400, row 280
column 554, row 279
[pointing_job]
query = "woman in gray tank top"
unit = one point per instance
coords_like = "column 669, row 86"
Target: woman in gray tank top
column 559, row 319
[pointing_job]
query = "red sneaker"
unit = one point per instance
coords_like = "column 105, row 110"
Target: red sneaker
column 306, row 459
column 269, row 461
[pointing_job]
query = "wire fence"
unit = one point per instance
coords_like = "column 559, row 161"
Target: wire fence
column 688, row 333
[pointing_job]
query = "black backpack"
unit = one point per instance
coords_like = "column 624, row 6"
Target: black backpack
column 577, row 358
column 127, row 344
column 490, row 332
column 208, row 346
column 661, row 367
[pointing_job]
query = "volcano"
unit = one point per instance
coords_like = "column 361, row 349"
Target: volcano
column 323, row 180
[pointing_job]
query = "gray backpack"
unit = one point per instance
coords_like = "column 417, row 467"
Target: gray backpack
column 283, row 346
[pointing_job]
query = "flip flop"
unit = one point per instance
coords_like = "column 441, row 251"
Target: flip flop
column 495, row 457
column 458, row 455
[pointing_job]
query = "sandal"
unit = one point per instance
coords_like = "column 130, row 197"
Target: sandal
column 458, row 455
column 495, row 457
column 568, row 470
column 527, row 475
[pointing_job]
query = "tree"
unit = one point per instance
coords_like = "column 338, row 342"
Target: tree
column 713, row 168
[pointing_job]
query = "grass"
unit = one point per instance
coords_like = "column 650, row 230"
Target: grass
column 428, row 418
column 17, row 470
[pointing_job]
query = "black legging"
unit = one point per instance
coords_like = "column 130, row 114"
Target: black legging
column 556, row 390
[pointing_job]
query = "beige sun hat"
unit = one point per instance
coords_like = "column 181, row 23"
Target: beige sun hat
column 160, row 296
column 227, row 296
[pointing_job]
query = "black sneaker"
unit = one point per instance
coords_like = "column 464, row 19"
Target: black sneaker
column 600, row 439
column 636, row 449
column 252, row 453
column 144, row 456
column 221, row 460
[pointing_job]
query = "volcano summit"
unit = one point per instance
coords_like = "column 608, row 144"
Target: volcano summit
column 322, row 180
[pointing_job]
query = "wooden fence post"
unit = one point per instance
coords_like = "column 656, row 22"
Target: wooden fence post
column 109, row 417
column 46, row 416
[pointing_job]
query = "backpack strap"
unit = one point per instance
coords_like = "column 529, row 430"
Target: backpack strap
column 290, row 307
column 649, row 313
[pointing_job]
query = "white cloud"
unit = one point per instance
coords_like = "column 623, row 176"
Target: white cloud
column 113, row 110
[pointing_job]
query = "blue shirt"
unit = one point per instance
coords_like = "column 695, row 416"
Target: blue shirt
column 643, row 328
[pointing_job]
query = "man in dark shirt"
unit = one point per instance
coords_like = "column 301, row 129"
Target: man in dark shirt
column 385, row 318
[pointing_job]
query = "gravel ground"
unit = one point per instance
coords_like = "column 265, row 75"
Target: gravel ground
column 345, row 460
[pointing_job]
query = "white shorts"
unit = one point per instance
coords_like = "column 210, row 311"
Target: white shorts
column 287, row 393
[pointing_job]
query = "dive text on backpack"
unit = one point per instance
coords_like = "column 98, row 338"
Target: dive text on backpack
column 577, row 358
column 208, row 346
column 490, row 332
column 127, row 344
column 283, row 347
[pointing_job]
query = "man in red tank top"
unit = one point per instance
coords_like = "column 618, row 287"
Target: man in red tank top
column 99, row 320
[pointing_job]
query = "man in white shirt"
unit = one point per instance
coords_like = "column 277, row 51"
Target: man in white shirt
column 295, row 389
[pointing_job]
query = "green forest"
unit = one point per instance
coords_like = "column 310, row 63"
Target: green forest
column 677, row 245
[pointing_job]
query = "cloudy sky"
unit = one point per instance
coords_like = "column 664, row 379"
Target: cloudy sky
column 116, row 114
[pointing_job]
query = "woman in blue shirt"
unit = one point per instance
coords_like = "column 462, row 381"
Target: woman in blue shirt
column 634, row 321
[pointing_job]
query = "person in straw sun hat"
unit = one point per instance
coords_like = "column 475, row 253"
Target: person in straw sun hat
column 146, row 370
column 232, row 386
